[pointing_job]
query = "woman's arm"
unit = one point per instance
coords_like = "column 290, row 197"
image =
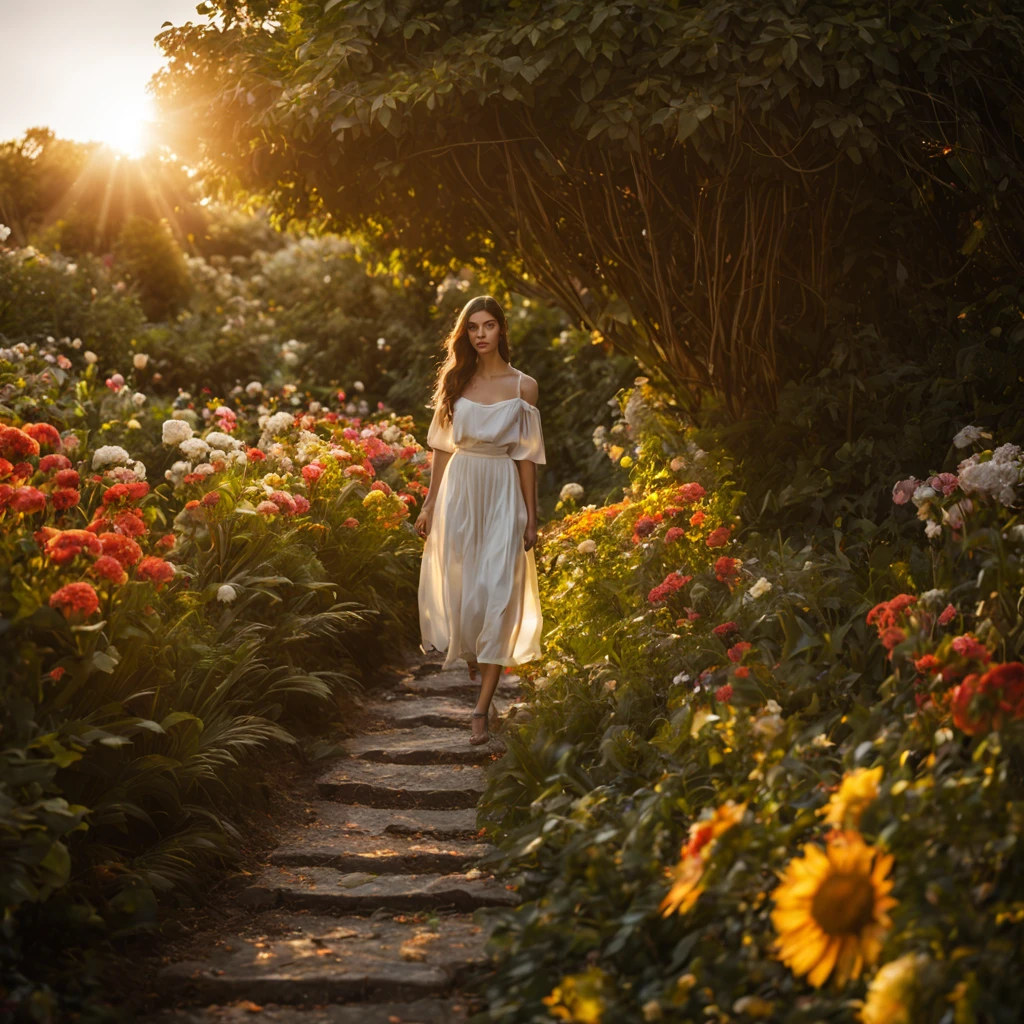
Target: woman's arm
column 438, row 462
column 528, row 482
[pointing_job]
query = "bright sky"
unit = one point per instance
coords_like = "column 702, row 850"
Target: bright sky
column 80, row 67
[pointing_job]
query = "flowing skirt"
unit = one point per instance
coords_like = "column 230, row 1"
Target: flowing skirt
column 478, row 592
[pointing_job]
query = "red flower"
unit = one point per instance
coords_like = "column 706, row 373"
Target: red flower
column 255, row 455
column 726, row 569
column 970, row 647
column 64, row 498
column 16, row 444
column 928, row 663
column 718, row 538
column 350, row 523
column 210, row 498
column 116, row 494
column 56, row 673
column 75, row 599
column 51, row 462
column 301, row 504
column 380, row 485
column 725, row 629
column 109, row 568
column 723, row 694
column 5, row 469
column 124, row 549
column 154, row 570
column 697, row 518
column 673, row 533
column 741, row 672
column 28, row 500
column 192, row 478
column 737, row 650
column 138, row 490
column 692, row 614
column 947, row 615
column 284, row 502
column 62, row 546
column 21, row 471
column 1008, row 681
column 886, row 613
column 67, row 478
column 672, row 582
column 644, row 527
column 688, row 493
column 891, row 636
column 130, row 522
column 312, row 473
column 166, row 541
column 43, row 434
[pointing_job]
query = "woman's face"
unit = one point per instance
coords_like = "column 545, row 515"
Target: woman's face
column 484, row 331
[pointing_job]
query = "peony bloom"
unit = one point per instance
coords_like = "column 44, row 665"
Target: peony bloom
column 945, row 482
column 43, row 433
column 27, row 500
column 255, row 455
column 110, row 569
column 173, row 432
column 75, row 600
column 969, row 646
column 301, row 503
column 154, row 570
column 312, row 473
column 123, row 548
column 64, row 545
column 966, row 437
column 268, row 508
column 672, row 582
column 856, row 793
column 984, row 703
column 64, row 498
column 16, row 444
column 115, row 382
column 571, row 492
column 718, row 538
column 110, row 455
column 903, row 491
column 831, row 909
column 193, row 448
column 211, row 498
column 48, row 463
column 686, row 494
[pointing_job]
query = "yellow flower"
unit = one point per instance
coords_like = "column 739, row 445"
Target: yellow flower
column 689, row 872
column 831, row 909
column 374, row 498
column 626, row 461
column 579, row 997
column 856, row 792
column 891, row 992
column 615, row 451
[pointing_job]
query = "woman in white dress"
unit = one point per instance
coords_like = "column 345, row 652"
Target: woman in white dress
column 478, row 593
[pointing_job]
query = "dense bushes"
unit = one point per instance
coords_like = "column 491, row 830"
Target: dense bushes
column 777, row 740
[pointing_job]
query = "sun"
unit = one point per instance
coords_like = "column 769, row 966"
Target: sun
column 127, row 128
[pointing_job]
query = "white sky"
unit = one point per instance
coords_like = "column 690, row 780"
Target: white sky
column 80, row 67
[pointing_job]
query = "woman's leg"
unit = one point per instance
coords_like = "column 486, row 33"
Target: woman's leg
column 489, row 676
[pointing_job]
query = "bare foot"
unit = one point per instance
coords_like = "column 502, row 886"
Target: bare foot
column 479, row 731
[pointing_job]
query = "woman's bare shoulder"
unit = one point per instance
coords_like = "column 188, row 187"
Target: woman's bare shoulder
column 529, row 389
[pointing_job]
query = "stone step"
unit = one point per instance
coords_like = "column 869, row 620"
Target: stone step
column 353, row 819
column 423, row 746
column 335, row 960
column 411, row 711
column 445, row 786
column 336, row 892
column 421, row 1011
column 455, row 681
column 380, row 854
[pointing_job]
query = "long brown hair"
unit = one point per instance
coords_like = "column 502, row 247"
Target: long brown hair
column 460, row 356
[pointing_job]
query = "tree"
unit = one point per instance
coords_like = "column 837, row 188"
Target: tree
column 717, row 187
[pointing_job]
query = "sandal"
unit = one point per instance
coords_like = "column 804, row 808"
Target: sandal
column 476, row 741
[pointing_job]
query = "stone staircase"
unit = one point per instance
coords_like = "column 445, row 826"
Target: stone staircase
column 379, row 892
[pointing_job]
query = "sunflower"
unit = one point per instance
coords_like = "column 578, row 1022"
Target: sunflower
column 831, row 908
column 891, row 994
column 856, row 792
column 688, row 874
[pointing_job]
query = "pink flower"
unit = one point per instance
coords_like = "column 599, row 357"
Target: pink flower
column 945, row 482
column 351, row 523
column 51, row 462
column 969, row 646
column 904, row 490
column 301, row 503
column 723, row 694
column 312, row 473
column 285, row 502
column 116, row 382
column 268, row 508
column 947, row 615
column 28, row 500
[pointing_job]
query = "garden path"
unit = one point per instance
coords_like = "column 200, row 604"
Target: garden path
column 379, row 892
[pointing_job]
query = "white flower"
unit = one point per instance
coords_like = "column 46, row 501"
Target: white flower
column 392, row 433
column 226, row 593
column 991, row 479
column 572, row 490
column 216, row 455
column 139, row 360
column 77, row 343
column 139, row 470
column 1007, row 453
column 966, row 437
column 278, row 422
column 5, row 232
column 176, row 474
column 193, row 448
column 932, row 598
column 90, row 357
column 759, row 589
column 175, row 431
column 315, row 407
column 773, row 707
column 204, row 469
column 239, row 458
column 932, row 530
column 217, row 439
column 586, row 547
column 358, row 385
column 110, row 455
column 253, row 388
column 138, row 399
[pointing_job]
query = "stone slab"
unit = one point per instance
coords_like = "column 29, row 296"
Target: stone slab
column 346, row 851
column 423, row 746
column 421, row 1011
column 410, row 711
column 355, row 819
column 456, row 681
column 334, row 960
column 336, row 892
column 442, row 787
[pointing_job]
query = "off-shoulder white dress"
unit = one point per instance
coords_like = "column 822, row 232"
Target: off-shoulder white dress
column 478, row 593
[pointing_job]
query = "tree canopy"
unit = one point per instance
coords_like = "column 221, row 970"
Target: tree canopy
column 716, row 187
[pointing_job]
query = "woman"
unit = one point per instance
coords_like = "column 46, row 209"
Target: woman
column 478, row 594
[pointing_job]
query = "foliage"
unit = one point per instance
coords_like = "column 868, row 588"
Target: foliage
column 148, row 257
column 757, row 753
column 715, row 187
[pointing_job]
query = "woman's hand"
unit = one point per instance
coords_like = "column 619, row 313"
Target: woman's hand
column 424, row 521
column 530, row 535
